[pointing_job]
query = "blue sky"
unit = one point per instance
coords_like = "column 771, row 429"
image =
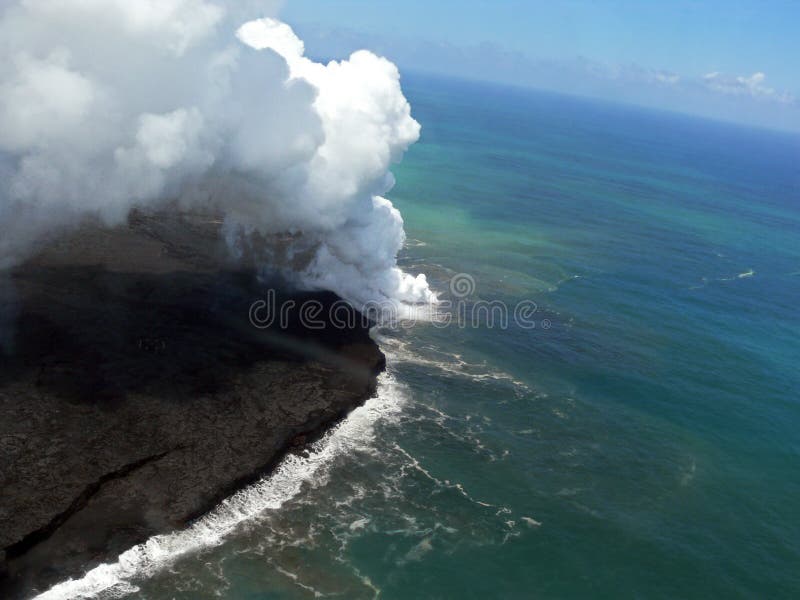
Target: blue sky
column 736, row 60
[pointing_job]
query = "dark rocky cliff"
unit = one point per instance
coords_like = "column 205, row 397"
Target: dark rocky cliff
column 135, row 393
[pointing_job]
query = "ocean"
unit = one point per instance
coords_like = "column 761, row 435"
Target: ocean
column 639, row 437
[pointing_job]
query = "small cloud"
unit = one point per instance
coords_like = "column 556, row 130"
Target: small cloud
column 632, row 73
column 745, row 86
column 638, row 74
column 667, row 78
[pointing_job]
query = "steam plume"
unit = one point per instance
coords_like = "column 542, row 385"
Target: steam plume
column 106, row 105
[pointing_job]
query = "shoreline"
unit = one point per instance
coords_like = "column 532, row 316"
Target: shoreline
column 295, row 471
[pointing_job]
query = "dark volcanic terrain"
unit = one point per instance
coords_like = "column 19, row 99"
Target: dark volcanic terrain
column 135, row 394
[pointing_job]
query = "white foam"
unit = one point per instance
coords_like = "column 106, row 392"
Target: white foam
column 531, row 522
column 417, row 553
column 743, row 275
column 359, row 524
column 354, row 433
column 296, row 580
column 450, row 364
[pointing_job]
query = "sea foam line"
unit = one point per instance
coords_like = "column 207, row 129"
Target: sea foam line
column 396, row 351
column 356, row 432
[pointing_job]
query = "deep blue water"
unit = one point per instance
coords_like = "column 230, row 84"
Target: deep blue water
column 645, row 445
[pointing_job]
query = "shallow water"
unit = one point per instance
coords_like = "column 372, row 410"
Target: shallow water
column 645, row 443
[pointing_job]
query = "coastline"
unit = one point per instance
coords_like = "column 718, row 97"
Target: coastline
column 138, row 395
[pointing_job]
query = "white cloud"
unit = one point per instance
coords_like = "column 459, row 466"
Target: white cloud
column 745, row 86
column 633, row 73
column 667, row 78
column 175, row 24
column 42, row 100
column 269, row 33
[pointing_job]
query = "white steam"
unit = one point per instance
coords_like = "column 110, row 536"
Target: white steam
column 106, row 105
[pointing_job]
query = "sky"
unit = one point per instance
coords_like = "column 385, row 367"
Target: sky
column 737, row 60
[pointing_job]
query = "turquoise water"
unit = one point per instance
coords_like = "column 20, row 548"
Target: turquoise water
column 645, row 445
